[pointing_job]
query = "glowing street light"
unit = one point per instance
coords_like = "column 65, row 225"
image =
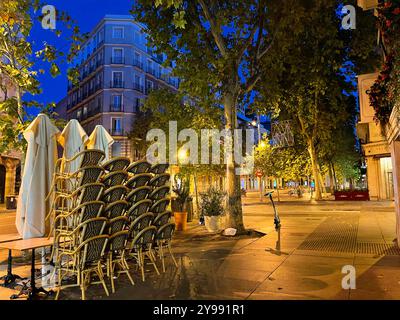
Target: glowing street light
column 182, row 155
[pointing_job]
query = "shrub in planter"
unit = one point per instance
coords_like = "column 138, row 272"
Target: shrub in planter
column 182, row 191
column 211, row 203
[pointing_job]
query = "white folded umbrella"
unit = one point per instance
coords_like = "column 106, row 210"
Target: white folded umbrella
column 40, row 160
column 100, row 139
column 73, row 139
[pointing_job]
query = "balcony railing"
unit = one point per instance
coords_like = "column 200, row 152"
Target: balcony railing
column 138, row 87
column 117, row 84
column 151, row 71
column 137, row 63
column 93, row 112
column 117, row 60
column 116, row 108
column 148, row 90
column 117, row 132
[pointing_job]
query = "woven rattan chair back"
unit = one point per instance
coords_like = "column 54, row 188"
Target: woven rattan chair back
column 116, row 164
column 115, row 209
column 162, row 219
column 90, row 157
column 139, row 167
column 159, row 180
column 89, row 192
column 91, row 251
column 141, row 222
column 138, row 180
column 89, row 174
column 160, row 206
column 159, row 193
column 138, row 194
column 114, row 178
column 117, row 224
column 91, row 228
column 165, row 232
column 117, row 241
column 144, row 238
column 114, row 194
column 88, row 210
column 138, row 209
column 159, row 168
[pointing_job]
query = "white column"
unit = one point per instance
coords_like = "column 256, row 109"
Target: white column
column 395, row 153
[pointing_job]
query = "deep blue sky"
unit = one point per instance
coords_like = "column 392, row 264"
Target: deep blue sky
column 87, row 13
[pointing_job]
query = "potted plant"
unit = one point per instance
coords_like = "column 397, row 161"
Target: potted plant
column 182, row 191
column 212, row 208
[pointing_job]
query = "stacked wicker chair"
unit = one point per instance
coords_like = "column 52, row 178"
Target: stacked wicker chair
column 104, row 216
column 78, row 225
column 160, row 201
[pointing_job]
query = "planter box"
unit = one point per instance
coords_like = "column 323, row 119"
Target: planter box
column 351, row 195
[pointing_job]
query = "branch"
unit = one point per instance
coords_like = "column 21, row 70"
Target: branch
column 248, row 42
column 219, row 40
column 251, row 83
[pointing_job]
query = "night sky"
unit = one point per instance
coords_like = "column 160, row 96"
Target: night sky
column 87, row 13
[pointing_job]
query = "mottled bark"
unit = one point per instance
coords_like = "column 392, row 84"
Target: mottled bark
column 234, row 200
column 314, row 166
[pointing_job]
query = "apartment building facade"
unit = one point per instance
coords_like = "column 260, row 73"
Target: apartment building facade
column 117, row 70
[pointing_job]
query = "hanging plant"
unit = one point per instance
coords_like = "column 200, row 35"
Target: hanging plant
column 385, row 90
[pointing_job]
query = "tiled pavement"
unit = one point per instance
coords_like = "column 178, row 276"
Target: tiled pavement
column 303, row 261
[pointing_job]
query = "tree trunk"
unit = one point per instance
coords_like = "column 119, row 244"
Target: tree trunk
column 234, row 200
column 332, row 176
column 314, row 166
column 321, row 180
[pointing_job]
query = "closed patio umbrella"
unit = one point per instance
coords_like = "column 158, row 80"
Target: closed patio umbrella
column 40, row 159
column 73, row 139
column 100, row 139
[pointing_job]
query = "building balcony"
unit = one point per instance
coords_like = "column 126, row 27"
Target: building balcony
column 148, row 90
column 138, row 87
column 117, row 84
column 93, row 112
column 116, row 132
column 117, row 60
column 138, row 64
column 116, row 108
column 152, row 71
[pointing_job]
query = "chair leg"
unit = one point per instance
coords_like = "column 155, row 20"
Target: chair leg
column 125, row 267
column 59, row 285
column 101, row 277
column 141, row 262
column 83, row 284
column 172, row 255
column 150, row 254
column 111, row 266
column 161, row 252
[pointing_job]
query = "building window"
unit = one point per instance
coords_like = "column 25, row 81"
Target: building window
column 117, row 79
column 138, row 104
column 116, row 149
column 116, row 126
column 117, row 55
column 118, row 32
column 137, row 60
column 116, row 104
column 149, row 86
